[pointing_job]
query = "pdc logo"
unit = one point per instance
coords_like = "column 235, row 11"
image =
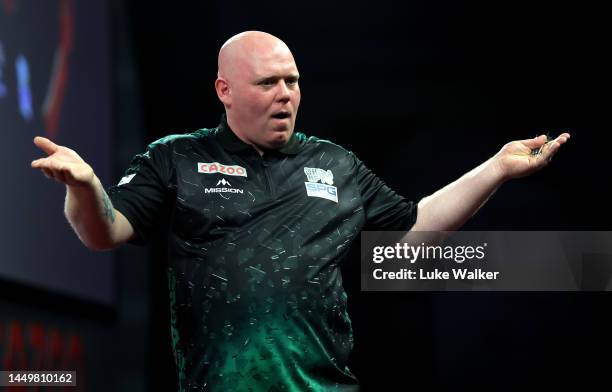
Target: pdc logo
column 216, row 167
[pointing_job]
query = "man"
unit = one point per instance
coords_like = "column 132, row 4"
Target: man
column 260, row 219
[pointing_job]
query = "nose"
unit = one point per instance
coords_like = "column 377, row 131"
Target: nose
column 284, row 95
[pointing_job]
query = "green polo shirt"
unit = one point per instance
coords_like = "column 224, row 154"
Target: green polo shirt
column 256, row 245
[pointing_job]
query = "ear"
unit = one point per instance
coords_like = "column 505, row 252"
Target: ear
column 223, row 91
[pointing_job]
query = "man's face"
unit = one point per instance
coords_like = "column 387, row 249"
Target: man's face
column 265, row 96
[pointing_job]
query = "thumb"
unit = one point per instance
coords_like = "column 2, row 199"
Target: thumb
column 45, row 144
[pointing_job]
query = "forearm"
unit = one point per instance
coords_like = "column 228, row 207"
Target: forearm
column 91, row 215
column 450, row 207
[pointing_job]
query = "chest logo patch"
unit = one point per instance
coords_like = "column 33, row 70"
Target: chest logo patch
column 314, row 175
column 320, row 184
column 126, row 179
column 223, row 186
column 216, row 167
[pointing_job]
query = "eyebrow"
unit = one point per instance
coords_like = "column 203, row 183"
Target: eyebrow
column 294, row 76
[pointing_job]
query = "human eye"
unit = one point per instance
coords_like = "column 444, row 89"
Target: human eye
column 268, row 82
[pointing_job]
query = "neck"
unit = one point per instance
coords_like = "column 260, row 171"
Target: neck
column 235, row 128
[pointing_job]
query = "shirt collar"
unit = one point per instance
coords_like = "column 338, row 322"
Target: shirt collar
column 229, row 141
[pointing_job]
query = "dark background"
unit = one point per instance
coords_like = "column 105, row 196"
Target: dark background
column 422, row 92
column 36, row 32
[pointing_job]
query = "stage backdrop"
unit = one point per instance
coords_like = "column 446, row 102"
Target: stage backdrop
column 54, row 82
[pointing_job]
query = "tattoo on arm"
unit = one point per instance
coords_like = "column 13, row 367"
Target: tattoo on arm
column 109, row 211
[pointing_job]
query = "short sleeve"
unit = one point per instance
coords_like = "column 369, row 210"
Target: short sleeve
column 142, row 194
column 384, row 208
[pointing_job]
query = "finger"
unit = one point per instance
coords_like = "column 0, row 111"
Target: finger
column 40, row 163
column 50, row 174
column 550, row 150
column 45, row 144
column 564, row 137
column 47, row 173
column 61, row 176
column 61, row 171
column 52, row 165
column 536, row 142
column 47, row 163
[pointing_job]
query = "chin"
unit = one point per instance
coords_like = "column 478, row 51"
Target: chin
column 279, row 139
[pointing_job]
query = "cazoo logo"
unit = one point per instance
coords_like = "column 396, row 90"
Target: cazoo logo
column 216, row 167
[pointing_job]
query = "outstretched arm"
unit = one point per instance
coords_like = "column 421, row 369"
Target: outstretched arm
column 450, row 207
column 88, row 208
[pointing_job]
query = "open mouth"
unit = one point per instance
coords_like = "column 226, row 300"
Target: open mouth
column 281, row 115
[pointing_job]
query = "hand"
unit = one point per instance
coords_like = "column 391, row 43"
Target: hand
column 63, row 164
column 516, row 160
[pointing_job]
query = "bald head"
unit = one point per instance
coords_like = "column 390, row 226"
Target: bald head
column 240, row 53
